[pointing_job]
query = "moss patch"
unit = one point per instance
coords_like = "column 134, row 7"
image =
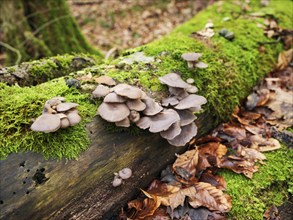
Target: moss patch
column 270, row 185
column 19, row 105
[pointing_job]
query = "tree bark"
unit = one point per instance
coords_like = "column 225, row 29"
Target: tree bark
column 36, row 29
column 36, row 188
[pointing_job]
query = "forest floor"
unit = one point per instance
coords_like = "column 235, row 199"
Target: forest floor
column 126, row 24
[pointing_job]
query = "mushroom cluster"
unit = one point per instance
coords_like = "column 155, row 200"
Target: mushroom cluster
column 173, row 118
column 56, row 114
column 123, row 174
column 176, row 122
column 192, row 60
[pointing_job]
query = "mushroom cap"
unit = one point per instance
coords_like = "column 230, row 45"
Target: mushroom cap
column 191, row 56
column 173, row 80
column 152, row 107
column 125, row 173
column 192, row 89
column 201, row 65
column 123, row 123
column 66, row 106
column 172, row 132
column 73, row 118
column 61, row 115
column 46, row 123
column 107, row 80
column 134, row 116
column 113, row 112
column 179, row 93
column 128, row 91
column 187, row 133
column 65, row 123
column 186, row 117
column 114, row 98
column 117, row 181
column 191, row 101
column 160, row 122
column 53, row 102
column 170, row 101
column 190, row 80
column 136, row 104
column 101, row 91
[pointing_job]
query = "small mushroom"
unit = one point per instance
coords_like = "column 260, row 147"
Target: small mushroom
column 73, row 118
column 134, row 116
column 179, row 93
column 191, row 89
column 114, row 98
column 117, row 181
column 101, row 91
column 65, row 123
column 65, row 106
column 113, row 112
column 190, row 80
column 128, row 91
column 170, row 101
column 173, row 80
column 106, row 80
column 123, row 123
column 46, row 123
column 191, row 58
column 152, row 107
column 201, row 65
column 136, row 104
column 171, row 132
column 187, row 133
column 125, row 173
column 191, row 101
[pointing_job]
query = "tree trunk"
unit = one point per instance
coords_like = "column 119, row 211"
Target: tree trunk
column 36, row 188
column 39, row 28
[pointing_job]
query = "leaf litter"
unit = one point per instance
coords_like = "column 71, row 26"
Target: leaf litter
column 190, row 188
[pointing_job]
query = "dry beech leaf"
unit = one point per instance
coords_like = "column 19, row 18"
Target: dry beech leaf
column 210, row 197
column 213, row 148
column 238, row 165
column 284, row 59
column 263, row 144
column 251, row 154
column 215, row 180
column 187, row 161
column 234, row 131
column 144, row 208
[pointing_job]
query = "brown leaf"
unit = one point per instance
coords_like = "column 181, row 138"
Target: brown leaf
column 251, row 154
column 263, row 144
column 213, row 148
column 215, row 180
column 272, row 213
column 239, row 166
column 234, row 131
column 284, row 59
column 144, row 208
column 210, row 197
column 187, row 162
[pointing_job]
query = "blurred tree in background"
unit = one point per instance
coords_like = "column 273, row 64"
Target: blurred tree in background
column 38, row 28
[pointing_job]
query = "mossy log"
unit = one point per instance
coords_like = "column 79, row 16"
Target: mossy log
column 79, row 187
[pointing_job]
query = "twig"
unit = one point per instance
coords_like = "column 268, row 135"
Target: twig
column 13, row 50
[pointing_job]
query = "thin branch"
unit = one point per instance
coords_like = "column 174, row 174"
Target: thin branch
column 13, row 50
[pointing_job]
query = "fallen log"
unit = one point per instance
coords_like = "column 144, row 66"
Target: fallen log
column 79, row 187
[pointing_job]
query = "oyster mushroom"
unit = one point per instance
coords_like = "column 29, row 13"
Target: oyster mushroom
column 125, row 173
column 173, row 80
column 114, row 98
column 106, row 80
column 65, row 106
column 187, row 133
column 128, row 91
column 134, row 116
column 117, row 181
column 73, row 118
column 172, row 132
column 191, row 101
column 101, row 91
column 113, row 112
column 46, row 123
column 152, row 107
column 123, row 123
column 159, row 122
column 191, row 58
column 170, row 101
column 136, row 104
column 186, row 117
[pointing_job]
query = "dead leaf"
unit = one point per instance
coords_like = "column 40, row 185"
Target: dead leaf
column 239, row 166
column 251, row 154
column 144, row 208
column 210, row 197
column 272, row 213
column 188, row 162
column 234, row 131
column 284, row 59
column 215, row 180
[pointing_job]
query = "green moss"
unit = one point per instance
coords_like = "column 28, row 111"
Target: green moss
column 270, row 185
column 19, row 105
